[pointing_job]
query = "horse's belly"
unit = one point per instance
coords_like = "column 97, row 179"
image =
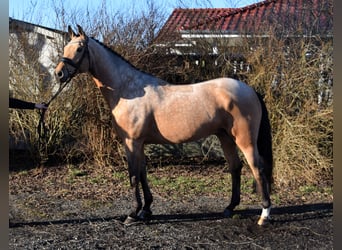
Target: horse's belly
column 186, row 129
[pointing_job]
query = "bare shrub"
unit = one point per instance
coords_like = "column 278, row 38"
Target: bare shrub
column 293, row 75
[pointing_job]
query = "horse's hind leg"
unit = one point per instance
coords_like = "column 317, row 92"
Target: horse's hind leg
column 256, row 164
column 235, row 166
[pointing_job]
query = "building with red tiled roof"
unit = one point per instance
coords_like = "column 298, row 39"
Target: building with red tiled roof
column 303, row 18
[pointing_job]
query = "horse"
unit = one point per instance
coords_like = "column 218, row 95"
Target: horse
column 148, row 110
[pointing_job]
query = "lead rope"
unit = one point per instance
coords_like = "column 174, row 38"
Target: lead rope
column 41, row 128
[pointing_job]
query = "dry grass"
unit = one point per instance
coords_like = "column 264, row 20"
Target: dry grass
column 303, row 152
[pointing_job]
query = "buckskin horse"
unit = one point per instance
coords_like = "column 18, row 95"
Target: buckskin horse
column 147, row 109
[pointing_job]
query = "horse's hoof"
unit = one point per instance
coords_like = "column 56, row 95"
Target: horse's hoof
column 228, row 213
column 129, row 221
column 263, row 221
column 144, row 214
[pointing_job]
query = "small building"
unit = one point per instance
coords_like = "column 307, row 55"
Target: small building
column 209, row 37
column 33, row 51
column 186, row 28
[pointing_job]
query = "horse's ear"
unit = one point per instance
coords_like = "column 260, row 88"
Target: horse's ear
column 80, row 30
column 71, row 32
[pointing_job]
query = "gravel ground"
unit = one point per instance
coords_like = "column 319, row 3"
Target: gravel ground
column 188, row 225
column 41, row 218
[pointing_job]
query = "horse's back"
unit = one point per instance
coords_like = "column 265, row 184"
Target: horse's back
column 235, row 88
column 229, row 93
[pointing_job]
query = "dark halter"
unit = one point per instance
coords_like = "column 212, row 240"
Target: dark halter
column 77, row 64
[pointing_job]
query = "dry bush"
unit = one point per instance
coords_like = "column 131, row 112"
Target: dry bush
column 96, row 141
column 294, row 76
column 303, row 151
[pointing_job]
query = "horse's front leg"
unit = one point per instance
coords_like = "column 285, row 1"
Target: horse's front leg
column 134, row 182
column 137, row 173
column 146, row 212
column 134, row 166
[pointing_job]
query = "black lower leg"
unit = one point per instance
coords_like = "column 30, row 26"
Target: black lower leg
column 148, row 198
column 266, row 200
column 137, row 203
column 235, row 198
column 236, row 183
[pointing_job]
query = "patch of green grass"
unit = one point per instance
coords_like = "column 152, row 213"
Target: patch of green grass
column 96, row 180
column 276, row 200
column 247, row 183
column 307, row 189
column 76, row 172
column 120, row 175
column 328, row 190
column 184, row 185
column 121, row 179
column 93, row 204
column 159, row 181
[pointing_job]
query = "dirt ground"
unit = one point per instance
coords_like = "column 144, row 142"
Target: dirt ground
column 48, row 210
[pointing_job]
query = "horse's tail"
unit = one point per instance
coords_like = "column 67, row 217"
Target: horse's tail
column 265, row 141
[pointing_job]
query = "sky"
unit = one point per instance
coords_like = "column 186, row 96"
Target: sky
column 43, row 12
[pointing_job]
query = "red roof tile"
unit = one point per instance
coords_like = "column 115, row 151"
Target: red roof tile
column 308, row 16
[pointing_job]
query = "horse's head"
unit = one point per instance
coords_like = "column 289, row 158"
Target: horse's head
column 75, row 57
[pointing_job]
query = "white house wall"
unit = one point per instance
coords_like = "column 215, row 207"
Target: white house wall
column 46, row 42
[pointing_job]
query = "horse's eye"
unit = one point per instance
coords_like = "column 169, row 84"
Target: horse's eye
column 79, row 49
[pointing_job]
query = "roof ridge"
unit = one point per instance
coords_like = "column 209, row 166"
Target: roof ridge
column 284, row 13
column 233, row 11
column 14, row 20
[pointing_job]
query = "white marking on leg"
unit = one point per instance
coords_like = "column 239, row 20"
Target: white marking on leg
column 265, row 216
column 266, row 212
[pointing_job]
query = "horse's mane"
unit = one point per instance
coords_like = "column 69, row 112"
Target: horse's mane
column 117, row 54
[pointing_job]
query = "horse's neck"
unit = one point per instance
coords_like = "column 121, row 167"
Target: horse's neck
column 108, row 68
column 116, row 77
